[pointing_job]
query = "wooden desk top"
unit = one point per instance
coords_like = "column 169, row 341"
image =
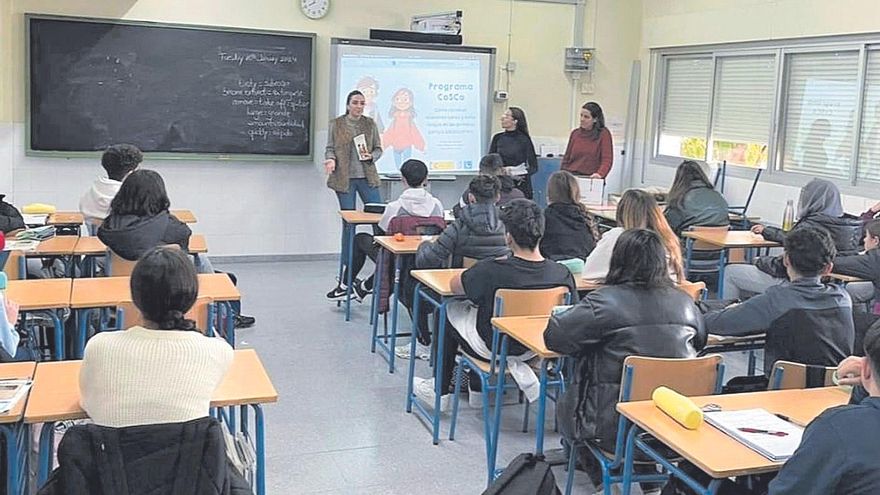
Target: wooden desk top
column 713, row 340
column 438, row 280
column 102, row 292
column 23, row 370
column 409, row 244
column 55, row 393
column 197, row 244
column 528, row 330
column 607, row 212
column 65, row 218
column 847, row 278
column 185, row 216
column 61, row 245
column 89, row 246
column 730, row 238
column 356, row 217
column 34, row 295
column 717, row 454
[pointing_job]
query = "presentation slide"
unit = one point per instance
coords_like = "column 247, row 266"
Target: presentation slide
column 431, row 105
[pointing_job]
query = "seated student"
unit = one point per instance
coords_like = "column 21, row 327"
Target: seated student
column 165, row 371
column 525, row 268
column 865, row 295
column 139, row 220
column 414, row 201
column 568, row 230
column 638, row 311
column 693, row 200
column 806, row 321
column 477, row 233
column 10, row 218
column 839, row 450
column 818, row 206
column 636, row 210
column 118, row 161
column 492, row 164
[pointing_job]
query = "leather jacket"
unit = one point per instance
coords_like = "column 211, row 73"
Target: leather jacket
column 606, row 327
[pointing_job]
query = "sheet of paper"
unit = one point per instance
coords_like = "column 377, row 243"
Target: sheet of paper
column 774, row 447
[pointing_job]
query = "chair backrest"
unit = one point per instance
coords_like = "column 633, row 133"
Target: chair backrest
column 128, row 315
column 787, row 375
column 687, row 376
column 12, row 267
column 529, row 302
column 467, row 262
column 694, row 289
column 117, row 266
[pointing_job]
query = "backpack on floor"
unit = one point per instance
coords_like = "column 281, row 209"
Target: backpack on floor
column 527, row 474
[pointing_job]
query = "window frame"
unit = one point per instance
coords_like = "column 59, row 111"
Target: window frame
column 780, row 50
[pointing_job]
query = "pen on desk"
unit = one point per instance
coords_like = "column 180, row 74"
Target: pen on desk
column 788, row 419
column 766, row 432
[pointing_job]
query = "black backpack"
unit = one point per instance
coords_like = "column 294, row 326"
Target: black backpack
column 527, row 474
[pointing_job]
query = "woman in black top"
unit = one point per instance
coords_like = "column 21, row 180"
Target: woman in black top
column 516, row 148
column 567, row 228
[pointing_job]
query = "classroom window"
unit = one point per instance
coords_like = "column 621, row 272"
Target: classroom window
column 819, row 124
column 684, row 120
column 869, row 144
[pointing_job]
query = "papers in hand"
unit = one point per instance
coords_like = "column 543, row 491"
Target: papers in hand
column 12, row 391
column 775, row 447
column 360, row 144
column 518, row 170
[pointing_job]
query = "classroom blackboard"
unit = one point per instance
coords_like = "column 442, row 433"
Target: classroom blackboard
column 182, row 90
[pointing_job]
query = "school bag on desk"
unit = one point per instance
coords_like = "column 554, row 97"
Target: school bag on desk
column 527, row 474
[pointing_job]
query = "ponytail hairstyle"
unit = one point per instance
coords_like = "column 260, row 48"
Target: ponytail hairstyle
column 164, row 286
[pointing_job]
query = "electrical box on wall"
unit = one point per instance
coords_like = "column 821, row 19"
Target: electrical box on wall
column 578, row 59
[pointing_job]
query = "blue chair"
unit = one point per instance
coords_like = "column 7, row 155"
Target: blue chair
column 508, row 302
column 788, row 375
column 641, row 376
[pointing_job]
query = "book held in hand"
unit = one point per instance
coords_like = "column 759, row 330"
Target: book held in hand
column 360, row 144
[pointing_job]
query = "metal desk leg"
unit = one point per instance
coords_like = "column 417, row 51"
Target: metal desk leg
column 722, row 265
column 16, row 455
column 499, row 401
column 261, row 449
column 377, row 291
column 438, row 369
column 351, row 233
column 46, row 452
column 412, row 349
column 59, row 335
column 542, row 407
column 689, row 251
column 394, row 299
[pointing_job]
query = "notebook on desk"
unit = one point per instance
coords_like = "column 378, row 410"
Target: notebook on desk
column 759, row 430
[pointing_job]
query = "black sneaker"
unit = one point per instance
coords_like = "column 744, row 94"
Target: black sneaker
column 360, row 291
column 337, row 293
column 244, row 321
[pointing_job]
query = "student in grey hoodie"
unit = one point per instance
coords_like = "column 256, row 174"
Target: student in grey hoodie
column 118, row 161
column 415, row 200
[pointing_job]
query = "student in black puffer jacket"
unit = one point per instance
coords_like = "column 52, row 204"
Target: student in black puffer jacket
column 567, row 228
column 492, row 164
column 10, row 218
column 818, row 206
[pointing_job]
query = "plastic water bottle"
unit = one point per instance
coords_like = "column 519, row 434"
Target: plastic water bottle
column 788, row 216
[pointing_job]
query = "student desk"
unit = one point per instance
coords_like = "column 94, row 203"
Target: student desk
column 185, row 216
column 89, row 294
column 846, row 279
column 55, row 397
column 715, row 453
column 61, row 246
column 66, row 221
column 408, row 246
column 92, row 247
column 350, row 220
column 14, row 432
column 723, row 343
column 724, row 240
column 48, row 296
column 529, row 331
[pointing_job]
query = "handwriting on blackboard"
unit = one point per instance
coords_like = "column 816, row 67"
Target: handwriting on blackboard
column 256, row 57
column 269, row 105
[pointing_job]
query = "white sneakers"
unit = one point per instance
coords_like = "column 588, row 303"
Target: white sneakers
column 424, row 390
column 423, row 352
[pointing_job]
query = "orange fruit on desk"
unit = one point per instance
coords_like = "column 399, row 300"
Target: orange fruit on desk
column 399, row 237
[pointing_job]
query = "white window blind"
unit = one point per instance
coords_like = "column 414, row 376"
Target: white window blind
column 822, row 94
column 685, row 110
column 744, row 92
column 869, row 144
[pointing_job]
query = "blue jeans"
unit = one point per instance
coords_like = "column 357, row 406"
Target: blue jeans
column 348, row 201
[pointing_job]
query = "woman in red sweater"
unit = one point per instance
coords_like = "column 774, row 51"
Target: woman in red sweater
column 589, row 151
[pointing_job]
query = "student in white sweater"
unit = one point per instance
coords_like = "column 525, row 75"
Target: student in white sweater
column 636, row 210
column 118, row 161
column 164, row 371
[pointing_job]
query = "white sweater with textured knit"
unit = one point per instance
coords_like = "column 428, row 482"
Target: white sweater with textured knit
column 141, row 376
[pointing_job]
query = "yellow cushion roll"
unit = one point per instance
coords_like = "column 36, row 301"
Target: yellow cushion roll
column 38, row 209
column 678, row 407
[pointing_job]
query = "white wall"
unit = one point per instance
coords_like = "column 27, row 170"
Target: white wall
column 284, row 208
column 667, row 23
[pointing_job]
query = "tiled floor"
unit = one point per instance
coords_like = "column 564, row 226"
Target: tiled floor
column 340, row 426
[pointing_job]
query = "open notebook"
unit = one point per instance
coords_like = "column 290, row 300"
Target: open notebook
column 759, row 430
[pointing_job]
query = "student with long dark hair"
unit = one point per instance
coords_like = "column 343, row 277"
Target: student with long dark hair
column 693, row 200
column 638, row 311
column 492, row 164
column 515, row 146
column 590, row 151
column 164, row 371
column 567, row 228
